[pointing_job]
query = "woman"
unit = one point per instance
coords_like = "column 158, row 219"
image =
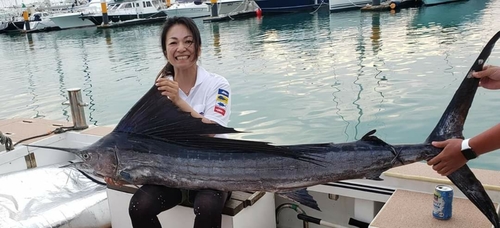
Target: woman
column 456, row 152
column 205, row 95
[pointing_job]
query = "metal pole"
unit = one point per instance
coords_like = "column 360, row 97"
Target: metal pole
column 26, row 20
column 215, row 11
column 104, row 9
column 77, row 112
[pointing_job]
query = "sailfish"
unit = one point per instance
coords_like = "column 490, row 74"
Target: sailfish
column 156, row 143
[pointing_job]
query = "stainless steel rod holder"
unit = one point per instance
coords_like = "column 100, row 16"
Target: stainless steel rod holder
column 77, row 112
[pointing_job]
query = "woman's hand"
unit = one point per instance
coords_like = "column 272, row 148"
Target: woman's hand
column 169, row 88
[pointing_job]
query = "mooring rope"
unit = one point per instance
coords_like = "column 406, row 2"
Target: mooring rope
column 4, row 140
column 55, row 131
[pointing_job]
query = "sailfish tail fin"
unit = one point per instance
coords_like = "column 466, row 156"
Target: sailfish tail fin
column 467, row 182
column 451, row 126
column 452, row 121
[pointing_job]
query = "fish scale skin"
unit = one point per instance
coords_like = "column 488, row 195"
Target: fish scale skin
column 229, row 171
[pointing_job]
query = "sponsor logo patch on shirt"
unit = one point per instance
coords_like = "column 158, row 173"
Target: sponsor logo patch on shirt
column 222, row 100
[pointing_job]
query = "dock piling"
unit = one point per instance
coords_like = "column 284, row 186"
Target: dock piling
column 26, row 20
column 104, row 9
column 77, row 112
column 215, row 11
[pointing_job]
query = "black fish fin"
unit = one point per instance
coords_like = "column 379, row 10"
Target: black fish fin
column 451, row 126
column 369, row 137
column 301, row 196
column 452, row 121
column 467, row 182
column 155, row 115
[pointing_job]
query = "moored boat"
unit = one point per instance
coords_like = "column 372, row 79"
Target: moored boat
column 74, row 19
column 286, row 6
column 338, row 5
column 437, row 2
column 195, row 9
column 129, row 10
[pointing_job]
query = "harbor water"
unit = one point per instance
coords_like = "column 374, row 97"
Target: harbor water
column 307, row 77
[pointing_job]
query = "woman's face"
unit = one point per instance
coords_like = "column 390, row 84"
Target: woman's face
column 181, row 52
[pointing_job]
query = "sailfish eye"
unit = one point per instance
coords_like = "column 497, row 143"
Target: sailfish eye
column 85, row 156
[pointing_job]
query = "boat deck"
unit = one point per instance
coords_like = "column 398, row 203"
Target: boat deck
column 414, row 209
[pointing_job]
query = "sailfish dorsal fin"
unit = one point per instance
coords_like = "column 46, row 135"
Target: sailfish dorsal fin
column 155, row 115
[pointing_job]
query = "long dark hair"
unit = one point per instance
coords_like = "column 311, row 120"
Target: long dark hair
column 191, row 26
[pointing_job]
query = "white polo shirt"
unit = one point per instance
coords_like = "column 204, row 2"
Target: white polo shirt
column 210, row 96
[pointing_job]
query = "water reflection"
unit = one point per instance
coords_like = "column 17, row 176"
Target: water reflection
column 62, row 85
column 376, row 33
column 107, row 35
column 32, row 91
column 31, row 44
column 87, row 90
column 441, row 15
column 216, row 39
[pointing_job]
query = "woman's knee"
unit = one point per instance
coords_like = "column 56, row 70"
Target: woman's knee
column 150, row 200
column 209, row 202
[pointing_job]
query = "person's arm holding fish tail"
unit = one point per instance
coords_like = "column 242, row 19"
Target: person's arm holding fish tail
column 451, row 158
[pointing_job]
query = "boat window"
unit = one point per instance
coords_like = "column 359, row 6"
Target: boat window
column 137, row 5
column 128, row 5
column 149, row 4
column 115, row 6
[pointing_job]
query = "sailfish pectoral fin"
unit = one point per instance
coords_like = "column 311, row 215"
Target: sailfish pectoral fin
column 301, row 196
column 466, row 181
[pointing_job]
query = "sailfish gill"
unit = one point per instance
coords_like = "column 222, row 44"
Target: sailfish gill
column 155, row 143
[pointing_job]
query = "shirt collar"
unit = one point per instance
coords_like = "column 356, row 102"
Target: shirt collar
column 201, row 75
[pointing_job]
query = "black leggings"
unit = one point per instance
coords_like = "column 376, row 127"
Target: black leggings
column 150, row 200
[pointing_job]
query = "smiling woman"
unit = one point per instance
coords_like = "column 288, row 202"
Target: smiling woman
column 194, row 90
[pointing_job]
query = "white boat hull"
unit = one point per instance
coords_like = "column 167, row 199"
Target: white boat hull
column 71, row 20
column 188, row 10
column 38, row 25
column 347, row 4
column 435, row 2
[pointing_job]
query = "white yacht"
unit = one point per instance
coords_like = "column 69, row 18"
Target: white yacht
column 41, row 21
column 195, row 9
column 129, row 10
column 199, row 9
column 74, row 19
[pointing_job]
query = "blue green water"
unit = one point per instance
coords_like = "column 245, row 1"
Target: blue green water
column 296, row 78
